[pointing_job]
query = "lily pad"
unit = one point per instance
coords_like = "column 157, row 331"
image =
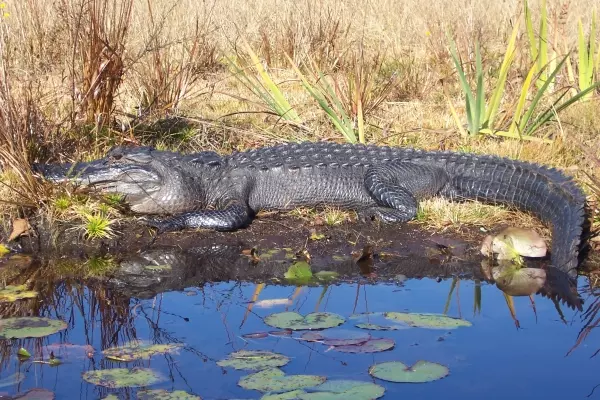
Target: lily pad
column 377, row 327
column 161, row 394
column 295, row 321
column 293, row 395
column 425, row 320
column 12, row 293
column 139, row 351
column 370, row 346
column 275, row 380
column 344, row 390
column 420, row 372
column 254, row 360
column 23, row 353
column 299, row 271
column 26, row 327
column 376, row 321
column 337, row 337
column 123, row 377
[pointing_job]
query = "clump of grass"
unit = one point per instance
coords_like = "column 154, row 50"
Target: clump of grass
column 439, row 214
column 96, row 225
column 247, row 68
column 349, row 102
column 311, row 28
column 334, row 216
column 62, row 203
column 21, row 127
column 168, row 74
column 99, row 31
column 526, row 119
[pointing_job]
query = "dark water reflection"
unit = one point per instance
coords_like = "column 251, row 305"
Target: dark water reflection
column 544, row 349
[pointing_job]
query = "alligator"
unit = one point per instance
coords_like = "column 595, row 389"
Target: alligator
column 207, row 190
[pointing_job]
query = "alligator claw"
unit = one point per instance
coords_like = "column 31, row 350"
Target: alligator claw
column 157, row 224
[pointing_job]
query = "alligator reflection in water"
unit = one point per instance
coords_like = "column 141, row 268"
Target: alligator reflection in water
column 171, row 268
column 141, row 299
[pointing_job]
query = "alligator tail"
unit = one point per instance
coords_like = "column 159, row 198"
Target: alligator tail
column 545, row 192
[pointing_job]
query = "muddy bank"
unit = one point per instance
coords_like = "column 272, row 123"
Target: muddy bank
column 277, row 229
column 144, row 264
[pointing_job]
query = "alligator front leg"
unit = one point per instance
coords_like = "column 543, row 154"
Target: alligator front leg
column 397, row 187
column 234, row 216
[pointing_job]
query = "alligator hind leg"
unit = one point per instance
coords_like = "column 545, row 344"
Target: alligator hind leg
column 232, row 217
column 396, row 188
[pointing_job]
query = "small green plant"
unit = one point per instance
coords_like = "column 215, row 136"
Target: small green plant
column 255, row 77
column 62, row 203
column 325, row 95
column 539, row 46
column 589, row 62
column 96, row 221
column 481, row 116
column 334, row 216
column 113, row 199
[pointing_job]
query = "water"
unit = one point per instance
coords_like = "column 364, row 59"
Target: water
column 542, row 351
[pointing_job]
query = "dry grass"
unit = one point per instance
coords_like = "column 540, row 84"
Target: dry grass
column 82, row 75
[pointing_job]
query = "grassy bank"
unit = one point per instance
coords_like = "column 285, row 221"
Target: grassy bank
column 79, row 76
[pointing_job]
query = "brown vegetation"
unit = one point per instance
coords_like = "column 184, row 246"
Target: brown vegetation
column 79, row 76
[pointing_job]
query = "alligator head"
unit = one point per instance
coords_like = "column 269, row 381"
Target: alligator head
column 150, row 181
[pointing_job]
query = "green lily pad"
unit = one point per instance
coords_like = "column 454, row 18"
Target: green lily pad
column 26, row 327
column 420, row 372
column 295, row 321
column 12, row 293
column 13, row 379
column 299, row 271
column 254, row 360
column 138, row 350
column 275, row 380
column 293, row 395
column 123, row 377
column 370, row 346
column 376, row 321
column 23, row 353
column 430, row 321
column 344, row 390
column 337, row 337
column 377, row 327
column 161, row 394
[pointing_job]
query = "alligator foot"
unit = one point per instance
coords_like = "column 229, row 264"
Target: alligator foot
column 230, row 218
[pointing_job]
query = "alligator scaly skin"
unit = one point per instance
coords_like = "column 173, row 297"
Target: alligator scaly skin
column 224, row 193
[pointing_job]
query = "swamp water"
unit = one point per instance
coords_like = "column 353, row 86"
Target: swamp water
column 186, row 310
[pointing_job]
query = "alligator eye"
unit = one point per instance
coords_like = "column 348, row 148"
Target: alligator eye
column 117, row 156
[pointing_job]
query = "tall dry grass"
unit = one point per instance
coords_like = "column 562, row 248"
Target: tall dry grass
column 80, row 75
